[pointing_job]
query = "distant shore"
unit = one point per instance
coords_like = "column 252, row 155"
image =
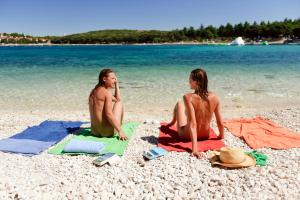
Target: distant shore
column 148, row 44
column 281, row 41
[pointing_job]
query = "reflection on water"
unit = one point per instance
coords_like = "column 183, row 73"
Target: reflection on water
column 226, row 87
column 268, row 76
column 256, row 90
column 136, row 87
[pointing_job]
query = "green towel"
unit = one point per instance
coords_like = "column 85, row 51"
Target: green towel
column 113, row 144
column 261, row 159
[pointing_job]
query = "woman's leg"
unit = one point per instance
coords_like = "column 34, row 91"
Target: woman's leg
column 181, row 114
column 118, row 111
column 182, row 120
column 174, row 116
column 107, row 130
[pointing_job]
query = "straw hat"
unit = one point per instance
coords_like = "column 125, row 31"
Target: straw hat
column 232, row 157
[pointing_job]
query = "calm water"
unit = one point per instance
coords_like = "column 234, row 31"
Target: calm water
column 152, row 77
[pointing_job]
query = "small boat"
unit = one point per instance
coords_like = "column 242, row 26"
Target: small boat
column 238, row 42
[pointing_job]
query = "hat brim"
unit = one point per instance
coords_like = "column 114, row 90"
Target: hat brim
column 248, row 162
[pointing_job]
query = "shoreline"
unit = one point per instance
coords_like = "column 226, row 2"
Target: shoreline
column 155, row 44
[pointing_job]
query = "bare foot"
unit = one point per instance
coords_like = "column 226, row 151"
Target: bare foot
column 199, row 155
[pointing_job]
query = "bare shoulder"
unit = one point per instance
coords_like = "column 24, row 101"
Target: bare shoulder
column 101, row 93
column 187, row 96
column 213, row 97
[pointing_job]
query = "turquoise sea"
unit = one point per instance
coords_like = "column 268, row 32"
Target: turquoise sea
column 152, row 77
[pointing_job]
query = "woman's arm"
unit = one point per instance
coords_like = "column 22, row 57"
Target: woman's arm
column 192, row 125
column 219, row 119
column 111, row 118
column 117, row 92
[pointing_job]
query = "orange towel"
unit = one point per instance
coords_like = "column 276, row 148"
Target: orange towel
column 259, row 132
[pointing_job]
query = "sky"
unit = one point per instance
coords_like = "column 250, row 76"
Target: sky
column 63, row 17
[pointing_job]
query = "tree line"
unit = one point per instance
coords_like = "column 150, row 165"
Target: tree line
column 255, row 31
column 249, row 31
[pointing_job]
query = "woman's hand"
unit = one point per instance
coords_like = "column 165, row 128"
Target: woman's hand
column 122, row 136
column 197, row 154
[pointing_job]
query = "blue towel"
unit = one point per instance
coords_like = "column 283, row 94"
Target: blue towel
column 82, row 146
column 36, row 139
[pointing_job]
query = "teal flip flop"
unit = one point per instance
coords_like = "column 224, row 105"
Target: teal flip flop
column 154, row 153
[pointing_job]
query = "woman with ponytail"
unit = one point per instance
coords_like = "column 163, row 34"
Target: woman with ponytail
column 106, row 117
column 194, row 114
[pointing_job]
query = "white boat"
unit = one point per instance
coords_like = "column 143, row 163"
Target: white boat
column 238, row 41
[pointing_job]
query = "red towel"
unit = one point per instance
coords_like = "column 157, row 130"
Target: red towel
column 169, row 140
column 259, row 132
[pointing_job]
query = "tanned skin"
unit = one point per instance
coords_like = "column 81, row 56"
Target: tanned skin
column 193, row 116
column 106, row 118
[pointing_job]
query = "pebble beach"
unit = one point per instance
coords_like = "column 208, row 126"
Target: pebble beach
column 174, row 176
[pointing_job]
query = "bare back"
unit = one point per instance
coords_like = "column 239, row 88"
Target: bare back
column 203, row 112
column 100, row 126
